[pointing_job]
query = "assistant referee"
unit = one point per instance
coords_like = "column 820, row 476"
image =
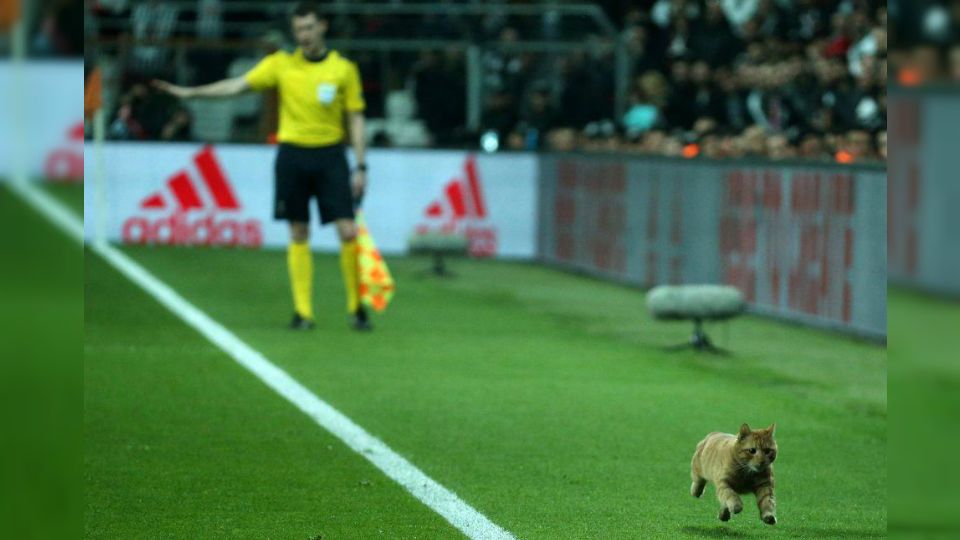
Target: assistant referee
column 317, row 88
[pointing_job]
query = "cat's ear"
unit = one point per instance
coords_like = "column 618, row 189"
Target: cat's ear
column 772, row 429
column 744, row 431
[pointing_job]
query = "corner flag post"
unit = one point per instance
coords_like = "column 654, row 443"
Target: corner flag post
column 11, row 18
column 100, row 175
column 93, row 106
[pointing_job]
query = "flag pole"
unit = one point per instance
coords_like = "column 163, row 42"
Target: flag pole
column 99, row 176
column 18, row 55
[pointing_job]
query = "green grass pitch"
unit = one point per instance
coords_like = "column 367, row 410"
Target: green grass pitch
column 542, row 399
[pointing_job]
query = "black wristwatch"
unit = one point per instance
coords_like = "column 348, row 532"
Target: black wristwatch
column 361, row 167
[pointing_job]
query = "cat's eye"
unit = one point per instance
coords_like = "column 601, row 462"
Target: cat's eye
column 752, row 450
column 769, row 450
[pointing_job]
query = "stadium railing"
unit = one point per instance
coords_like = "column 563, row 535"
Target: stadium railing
column 804, row 241
column 924, row 189
column 385, row 60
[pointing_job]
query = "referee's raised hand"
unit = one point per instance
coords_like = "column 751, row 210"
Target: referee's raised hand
column 224, row 88
column 172, row 89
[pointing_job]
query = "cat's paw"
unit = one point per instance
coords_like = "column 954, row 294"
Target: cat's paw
column 724, row 515
column 736, row 507
column 769, row 519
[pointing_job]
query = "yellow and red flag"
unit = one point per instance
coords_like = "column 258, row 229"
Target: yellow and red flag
column 92, row 92
column 376, row 283
column 9, row 13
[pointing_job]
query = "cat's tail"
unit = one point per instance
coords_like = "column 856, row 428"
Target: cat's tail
column 696, row 471
column 697, row 487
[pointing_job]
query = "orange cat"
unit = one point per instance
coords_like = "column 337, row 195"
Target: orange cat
column 741, row 463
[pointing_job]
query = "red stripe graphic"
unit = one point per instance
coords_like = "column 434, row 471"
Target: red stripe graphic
column 183, row 190
column 76, row 132
column 154, row 201
column 848, row 248
column 473, row 182
column 465, row 197
column 455, row 196
column 847, row 302
column 215, row 180
column 435, row 210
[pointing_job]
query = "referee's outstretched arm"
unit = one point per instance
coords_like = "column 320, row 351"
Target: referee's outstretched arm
column 224, row 88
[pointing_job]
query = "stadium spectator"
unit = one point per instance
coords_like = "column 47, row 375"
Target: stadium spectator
column 562, row 139
column 713, row 39
column 177, row 128
column 779, row 147
column 666, row 12
column 739, row 12
column 753, row 142
column 537, row 117
column 438, row 87
column 646, row 104
column 733, row 113
column 923, row 36
column 642, row 53
column 60, row 32
column 152, row 22
column 107, row 17
column 954, row 63
column 503, row 80
column 707, row 101
column 812, row 148
column 678, row 112
column 209, row 23
column 146, row 114
column 804, row 73
column 853, row 147
column 209, row 61
column 125, row 125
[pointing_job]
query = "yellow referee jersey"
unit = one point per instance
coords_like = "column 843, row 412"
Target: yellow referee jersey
column 313, row 95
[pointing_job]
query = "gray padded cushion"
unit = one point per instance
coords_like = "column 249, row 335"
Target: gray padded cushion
column 708, row 302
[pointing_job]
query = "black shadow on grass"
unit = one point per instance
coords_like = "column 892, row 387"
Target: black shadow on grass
column 834, row 532
column 713, row 532
column 928, row 529
column 721, row 531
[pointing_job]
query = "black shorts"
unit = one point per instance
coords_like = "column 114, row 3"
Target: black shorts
column 303, row 173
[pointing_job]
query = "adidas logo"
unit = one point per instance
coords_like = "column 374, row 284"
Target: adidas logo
column 183, row 201
column 459, row 210
column 65, row 163
column 463, row 198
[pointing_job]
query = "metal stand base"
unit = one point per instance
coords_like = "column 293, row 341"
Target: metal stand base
column 438, row 268
column 699, row 341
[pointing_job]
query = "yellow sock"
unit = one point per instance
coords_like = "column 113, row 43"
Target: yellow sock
column 300, row 263
column 348, row 267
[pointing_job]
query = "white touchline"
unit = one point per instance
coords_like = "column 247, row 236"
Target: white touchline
column 440, row 499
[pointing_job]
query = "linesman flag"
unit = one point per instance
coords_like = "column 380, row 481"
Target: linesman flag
column 9, row 13
column 376, row 283
column 92, row 83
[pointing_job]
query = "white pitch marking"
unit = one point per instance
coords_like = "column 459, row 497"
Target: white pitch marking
column 428, row 491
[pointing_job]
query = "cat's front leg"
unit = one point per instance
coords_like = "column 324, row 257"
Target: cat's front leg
column 767, row 503
column 729, row 501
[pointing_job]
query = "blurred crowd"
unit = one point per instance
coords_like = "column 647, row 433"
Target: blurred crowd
column 716, row 78
column 925, row 42
column 145, row 114
column 54, row 29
